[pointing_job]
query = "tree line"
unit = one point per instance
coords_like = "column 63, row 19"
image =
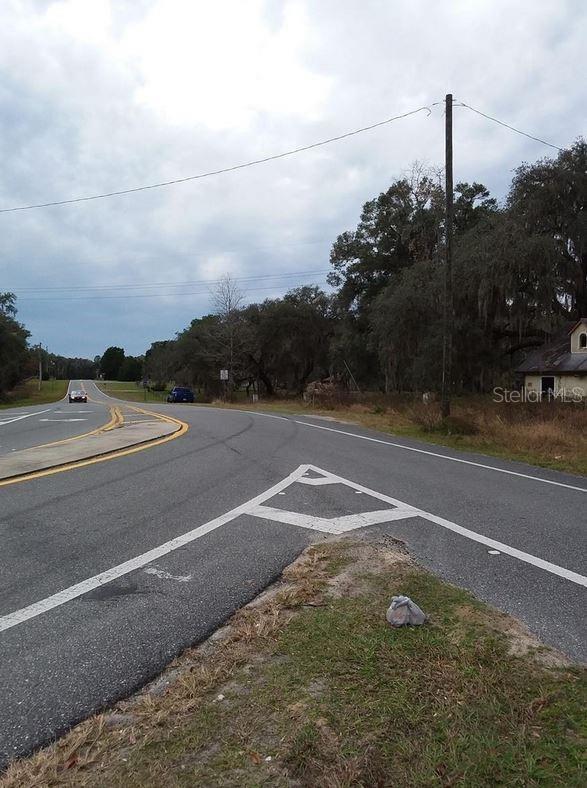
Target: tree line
column 114, row 364
column 14, row 350
column 520, row 275
column 19, row 361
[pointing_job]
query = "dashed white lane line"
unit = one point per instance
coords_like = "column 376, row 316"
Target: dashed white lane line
column 63, row 420
column 255, row 508
column 24, row 416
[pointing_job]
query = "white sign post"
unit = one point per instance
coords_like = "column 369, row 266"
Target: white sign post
column 223, row 374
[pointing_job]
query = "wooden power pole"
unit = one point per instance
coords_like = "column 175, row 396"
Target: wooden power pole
column 448, row 310
column 40, row 365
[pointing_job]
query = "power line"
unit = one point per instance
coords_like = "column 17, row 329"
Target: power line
column 187, row 283
column 223, row 170
column 507, row 126
column 186, row 258
column 127, row 296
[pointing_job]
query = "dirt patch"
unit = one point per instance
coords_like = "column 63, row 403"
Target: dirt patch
column 521, row 642
column 370, row 555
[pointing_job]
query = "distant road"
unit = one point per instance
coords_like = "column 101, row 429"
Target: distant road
column 23, row 428
column 151, row 552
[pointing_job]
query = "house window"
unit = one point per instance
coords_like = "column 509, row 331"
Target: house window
column 583, row 341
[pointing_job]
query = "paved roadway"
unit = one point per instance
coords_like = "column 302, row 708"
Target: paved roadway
column 59, row 662
column 22, row 428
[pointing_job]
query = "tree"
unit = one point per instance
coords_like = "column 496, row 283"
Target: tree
column 396, row 229
column 406, row 328
column 160, row 362
column 287, row 340
column 111, row 362
column 549, row 200
column 227, row 299
column 72, row 368
column 13, row 344
column 131, row 368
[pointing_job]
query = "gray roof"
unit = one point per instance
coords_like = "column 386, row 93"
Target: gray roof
column 556, row 357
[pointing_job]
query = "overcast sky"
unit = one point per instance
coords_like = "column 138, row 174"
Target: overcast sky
column 99, row 95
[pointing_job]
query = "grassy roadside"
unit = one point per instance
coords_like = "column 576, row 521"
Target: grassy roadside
column 27, row 393
column 309, row 686
column 130, row 391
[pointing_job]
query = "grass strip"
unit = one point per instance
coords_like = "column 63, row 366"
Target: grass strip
column 309, row 686
column 28, row 393
column 130, row 391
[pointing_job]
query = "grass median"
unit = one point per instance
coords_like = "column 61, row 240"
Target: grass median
column 130, row 391
column 29, row 393
column 309, row 686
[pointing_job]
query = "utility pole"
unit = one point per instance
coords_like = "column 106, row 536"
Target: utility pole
column 40, row 365
column 448, row 310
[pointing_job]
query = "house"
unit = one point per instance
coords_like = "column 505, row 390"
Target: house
column 558, row 370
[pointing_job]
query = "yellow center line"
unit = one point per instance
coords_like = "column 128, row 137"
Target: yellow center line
column 109, row 424
column 116, row 420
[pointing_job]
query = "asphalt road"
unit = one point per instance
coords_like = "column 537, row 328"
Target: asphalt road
column 110, row 631
column 22, row 428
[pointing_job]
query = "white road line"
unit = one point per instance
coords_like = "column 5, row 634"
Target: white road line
column 554, row 569
column 333, row 525
column 55, row 600
column 62, row 420
column 574, row 577
column 437, row 454
column 411, row 448
column 26, row 416
column 255, row 509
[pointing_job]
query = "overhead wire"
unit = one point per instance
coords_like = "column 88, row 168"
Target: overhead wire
column 508, row 126
column 275, row 287
column 209, row 174
column 274, row 157
column 186, row 283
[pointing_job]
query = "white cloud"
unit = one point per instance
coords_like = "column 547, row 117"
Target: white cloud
column 97, row 96
column 221, row 65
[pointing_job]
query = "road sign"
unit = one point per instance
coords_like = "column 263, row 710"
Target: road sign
column 223, row 374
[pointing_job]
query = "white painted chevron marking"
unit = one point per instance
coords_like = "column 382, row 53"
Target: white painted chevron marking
column 255, row 508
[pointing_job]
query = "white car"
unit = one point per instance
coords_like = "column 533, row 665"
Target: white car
column 78, row 396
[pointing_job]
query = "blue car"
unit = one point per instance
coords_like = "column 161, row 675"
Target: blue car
column 181, row 394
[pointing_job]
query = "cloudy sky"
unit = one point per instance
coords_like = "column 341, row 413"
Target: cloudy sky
column 102, row 95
